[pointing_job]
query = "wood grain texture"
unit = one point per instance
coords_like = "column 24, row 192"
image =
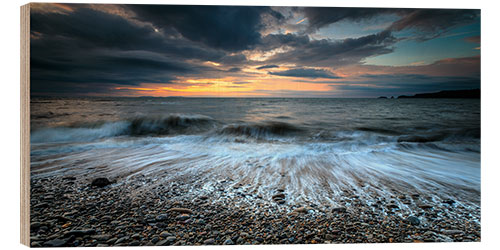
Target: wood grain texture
column 25, row 124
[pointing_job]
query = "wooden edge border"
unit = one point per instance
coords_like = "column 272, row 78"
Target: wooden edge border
column 25, row 124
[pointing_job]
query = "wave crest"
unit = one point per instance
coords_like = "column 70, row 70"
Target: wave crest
column 261, row 130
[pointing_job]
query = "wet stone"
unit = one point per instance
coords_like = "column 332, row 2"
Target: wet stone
column 100, row 182
column 210, row 241
column 413, row 220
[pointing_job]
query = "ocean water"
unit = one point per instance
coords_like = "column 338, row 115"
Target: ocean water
column 314, row 149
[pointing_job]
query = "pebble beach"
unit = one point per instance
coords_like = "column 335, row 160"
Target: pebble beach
column 67, row 212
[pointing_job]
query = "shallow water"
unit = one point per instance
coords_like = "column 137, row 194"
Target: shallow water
column 314, row 149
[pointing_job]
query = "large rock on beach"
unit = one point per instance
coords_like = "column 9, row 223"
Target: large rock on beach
column 100, row 182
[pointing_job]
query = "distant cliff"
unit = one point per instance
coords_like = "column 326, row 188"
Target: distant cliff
column 469, row 94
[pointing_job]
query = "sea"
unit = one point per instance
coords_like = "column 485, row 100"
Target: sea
column 313, row 148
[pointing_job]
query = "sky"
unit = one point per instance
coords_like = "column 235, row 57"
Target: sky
column 251, row 51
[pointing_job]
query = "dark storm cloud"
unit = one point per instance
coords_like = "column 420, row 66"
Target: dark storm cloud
column 434, row 22
column 268, row 66
column 273, row 41
column 105, row 50
column 230, row 28
column 430, row 23
column 306, row 73
column 328, row 53
column 319, row 17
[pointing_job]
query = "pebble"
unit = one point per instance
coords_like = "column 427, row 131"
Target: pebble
column 278, row 196
column 171, row 239
column 181, row 210
column 172, row 214
column 425, row 206
column 210, row 241
column 301, row 210
column 452, row 232
column 413, row 220
column 103, row 237
column 81, row 232
column 182, row 217
column 122, row 239
column 228, row 242
column 134, row 243
column 55, row 243
column 165, row 234
column 339, row 210
column 111, row 241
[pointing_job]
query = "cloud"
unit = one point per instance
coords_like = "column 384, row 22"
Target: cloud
column 319, row 17
column 95, row 49
column 105, row 50
column 330, row 53
column 235, row 69
column 306, row 73
column 231, row 28
column 268, row 66
column 431, row 23
column 473, row 39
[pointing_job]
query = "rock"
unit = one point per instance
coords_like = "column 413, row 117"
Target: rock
column 278, row 196
column 35, row 225
column 136, row 236
column 392, row 205
column 100, row 182
column 171, row 239
column 449, row 201
column 203, row 197
column 107, row 218
column 122, row 239
column 280, row 201
column 102, row 245
column 259, row 239
column 54, row 243
column 102, row 237
column 452, row 232
column 111, row 241
column 181, row 210
column 228, row 242
column 134, row 243
column 182, row 217
column 210, row 241
column 79, row 233
column 329, row 237
column 180, row 243
column 425, row 206
column 161, row 217
column 443, row 238
column 339, row 210
column 413, row 220
column 162, row 243
column 36, row 244
column 165, row 234
column 301, row 210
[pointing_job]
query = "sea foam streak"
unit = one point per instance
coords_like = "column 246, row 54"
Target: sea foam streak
column 312, row 167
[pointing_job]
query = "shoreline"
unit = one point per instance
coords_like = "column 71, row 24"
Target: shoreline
column 69, row 211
